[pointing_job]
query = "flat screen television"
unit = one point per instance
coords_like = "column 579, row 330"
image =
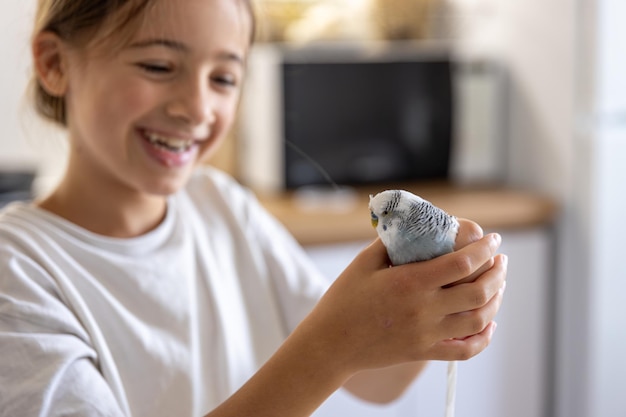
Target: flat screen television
column 366, row 122
column 353, row 114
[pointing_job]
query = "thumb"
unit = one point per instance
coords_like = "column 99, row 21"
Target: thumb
column 374, row 255
column 469, row 232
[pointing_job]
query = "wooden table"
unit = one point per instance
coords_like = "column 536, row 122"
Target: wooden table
column 320, row 218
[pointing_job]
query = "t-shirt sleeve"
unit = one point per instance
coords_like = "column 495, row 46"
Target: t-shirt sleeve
column 47, row 367
column 298, row 282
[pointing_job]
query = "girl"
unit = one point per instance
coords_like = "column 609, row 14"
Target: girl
column 144, row 285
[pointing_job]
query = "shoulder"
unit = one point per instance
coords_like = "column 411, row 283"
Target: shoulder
column 24, row 237
column 215, row 192
column 216, row 201
column 17, row 221
column 25, row 261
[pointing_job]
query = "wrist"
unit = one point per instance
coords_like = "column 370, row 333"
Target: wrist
column 294, row 382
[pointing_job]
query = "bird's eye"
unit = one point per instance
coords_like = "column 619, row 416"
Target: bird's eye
column 385, row 213
column 374, row 219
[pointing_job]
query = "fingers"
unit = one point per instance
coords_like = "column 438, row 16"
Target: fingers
column 476, row 294
column 471, row 278
column 456, row 266
column 466, row 348
column 469, row 232
column 374, row 256
column 422, row 318
column 482, row 300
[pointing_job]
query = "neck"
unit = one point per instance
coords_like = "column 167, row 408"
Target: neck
column 114, row 212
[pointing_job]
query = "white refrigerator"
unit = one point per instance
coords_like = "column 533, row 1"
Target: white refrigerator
column 591, row 324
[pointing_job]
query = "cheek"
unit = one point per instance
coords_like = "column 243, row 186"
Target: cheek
column 226, row 113
column 107, row 107
column 220, row 131
column 230, row 112
column 128, row 101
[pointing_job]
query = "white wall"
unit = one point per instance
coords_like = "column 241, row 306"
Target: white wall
column 593, row 312
column 26, row 141
column 15, row 20
column 534, row 40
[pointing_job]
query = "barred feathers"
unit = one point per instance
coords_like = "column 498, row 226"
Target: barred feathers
column 411, row 228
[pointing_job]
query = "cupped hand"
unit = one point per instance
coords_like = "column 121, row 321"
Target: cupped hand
column 470, row 232
column 375, row 315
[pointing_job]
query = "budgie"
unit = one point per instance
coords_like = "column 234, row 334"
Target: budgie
column 412, row 229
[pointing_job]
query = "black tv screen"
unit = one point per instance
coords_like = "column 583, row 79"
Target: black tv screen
column 366, row 122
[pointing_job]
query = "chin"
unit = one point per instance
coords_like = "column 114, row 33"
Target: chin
column 166, row 186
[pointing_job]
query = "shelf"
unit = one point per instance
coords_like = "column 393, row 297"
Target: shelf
column 493, row 208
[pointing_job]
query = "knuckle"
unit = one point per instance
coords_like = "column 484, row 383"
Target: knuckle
column 402, row 285
column 466, row 354
column 463, row 264
column 480, row 297
column 470, row 350
column 477, row 322
column 474, row 231
column 469, row 232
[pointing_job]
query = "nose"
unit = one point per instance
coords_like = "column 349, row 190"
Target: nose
column 192, row 103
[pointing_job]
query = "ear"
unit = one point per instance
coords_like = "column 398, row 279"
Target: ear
column 50, row 60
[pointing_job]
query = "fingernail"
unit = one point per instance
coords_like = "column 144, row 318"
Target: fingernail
column 493, row 328
column 495, row 240
column 505, row 261
column 502, row 288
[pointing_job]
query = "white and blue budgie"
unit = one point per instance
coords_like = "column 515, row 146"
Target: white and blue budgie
column 412, row 229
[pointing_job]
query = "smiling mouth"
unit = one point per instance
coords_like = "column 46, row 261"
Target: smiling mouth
column 169, row 143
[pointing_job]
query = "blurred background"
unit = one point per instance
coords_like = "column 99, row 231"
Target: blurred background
column 534, row 99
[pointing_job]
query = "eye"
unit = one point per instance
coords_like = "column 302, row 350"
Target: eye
column 385, row 212
column 155, row 68
column 227, row 81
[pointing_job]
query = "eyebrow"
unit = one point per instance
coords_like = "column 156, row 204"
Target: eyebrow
column 168, row 43
column 179, row 46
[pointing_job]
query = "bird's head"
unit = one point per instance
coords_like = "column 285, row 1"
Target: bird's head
column 383, row 208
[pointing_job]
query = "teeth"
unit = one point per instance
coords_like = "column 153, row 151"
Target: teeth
column 175, row 144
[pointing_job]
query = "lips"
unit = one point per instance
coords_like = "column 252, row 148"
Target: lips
column 169, row 150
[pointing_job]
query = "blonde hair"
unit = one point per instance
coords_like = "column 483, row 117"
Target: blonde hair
column 82, row 22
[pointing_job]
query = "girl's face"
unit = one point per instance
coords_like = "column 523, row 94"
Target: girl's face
column 141, row 118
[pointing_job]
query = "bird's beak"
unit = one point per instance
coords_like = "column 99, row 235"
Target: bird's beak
column 374, row 220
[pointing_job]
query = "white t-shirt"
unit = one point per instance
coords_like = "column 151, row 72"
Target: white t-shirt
column 166, row 324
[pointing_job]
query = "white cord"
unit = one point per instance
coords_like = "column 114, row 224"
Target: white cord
column 451, row 394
